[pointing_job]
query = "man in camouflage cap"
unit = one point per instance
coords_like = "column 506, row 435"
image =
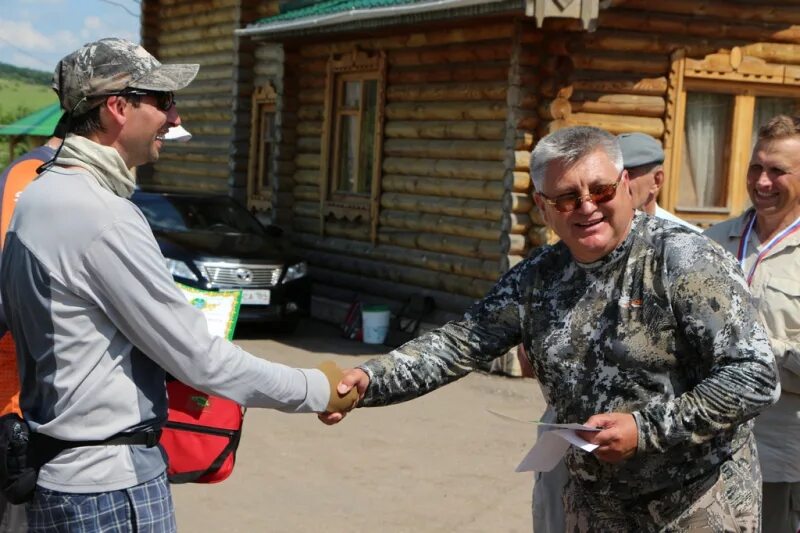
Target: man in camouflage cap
column 98, row 318
column 638, row 327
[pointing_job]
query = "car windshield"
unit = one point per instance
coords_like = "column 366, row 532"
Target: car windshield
column 196, row 213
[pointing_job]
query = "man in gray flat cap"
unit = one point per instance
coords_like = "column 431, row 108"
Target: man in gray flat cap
column 643, row 158
column 97, row 317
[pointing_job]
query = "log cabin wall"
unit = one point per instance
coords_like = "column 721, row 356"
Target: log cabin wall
column 201, row 31
column 622, row 77
column 454, row 199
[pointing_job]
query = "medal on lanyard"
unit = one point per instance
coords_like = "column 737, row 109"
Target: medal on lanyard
column 791, row 228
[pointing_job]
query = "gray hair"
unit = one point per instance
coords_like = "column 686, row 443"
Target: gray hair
column 568, row 146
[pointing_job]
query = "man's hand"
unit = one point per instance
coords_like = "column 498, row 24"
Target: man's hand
column 618, row 438
column 355, row 381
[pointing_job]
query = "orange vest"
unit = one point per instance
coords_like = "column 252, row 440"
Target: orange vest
column 17, row 177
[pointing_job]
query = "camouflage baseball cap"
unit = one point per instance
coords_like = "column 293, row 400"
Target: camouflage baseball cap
column 110, row 65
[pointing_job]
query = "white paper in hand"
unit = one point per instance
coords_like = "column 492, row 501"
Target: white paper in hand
column 551, row 447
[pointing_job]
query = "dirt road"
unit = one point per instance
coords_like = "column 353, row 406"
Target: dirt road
column 440, row 463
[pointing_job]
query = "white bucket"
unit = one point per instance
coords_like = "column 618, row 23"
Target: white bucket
column 375, row 321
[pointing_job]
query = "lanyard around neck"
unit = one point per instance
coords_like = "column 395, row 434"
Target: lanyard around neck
column 785, row 232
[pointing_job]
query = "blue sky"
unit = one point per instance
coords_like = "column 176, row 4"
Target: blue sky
column 37, row 33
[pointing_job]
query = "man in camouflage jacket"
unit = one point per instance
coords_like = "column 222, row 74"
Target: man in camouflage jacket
column 634, row 325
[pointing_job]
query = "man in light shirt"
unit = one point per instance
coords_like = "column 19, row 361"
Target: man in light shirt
column 766, row 242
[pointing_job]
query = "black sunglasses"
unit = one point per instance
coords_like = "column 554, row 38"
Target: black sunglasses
column 598, row 194
column 164, row 99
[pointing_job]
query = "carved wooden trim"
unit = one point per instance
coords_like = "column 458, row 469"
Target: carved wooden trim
column 736, row 73
column 351, row 206
column 264, row 99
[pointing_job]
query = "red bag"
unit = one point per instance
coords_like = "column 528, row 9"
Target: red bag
column 201, row 435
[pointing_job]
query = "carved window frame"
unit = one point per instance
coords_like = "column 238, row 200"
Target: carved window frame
column 362, row 66
column 745, row 78
column 262, row 153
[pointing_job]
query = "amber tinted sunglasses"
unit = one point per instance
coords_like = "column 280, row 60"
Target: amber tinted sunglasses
column 598, row 194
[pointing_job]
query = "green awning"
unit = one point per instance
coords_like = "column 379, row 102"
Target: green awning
column 40, row 123
column 300, row 17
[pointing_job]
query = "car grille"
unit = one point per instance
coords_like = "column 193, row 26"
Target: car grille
column 241, row 275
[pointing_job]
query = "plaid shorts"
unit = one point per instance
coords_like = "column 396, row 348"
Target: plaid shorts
column 145, row 508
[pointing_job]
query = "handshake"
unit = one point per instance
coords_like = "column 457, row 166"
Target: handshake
column 347, row 388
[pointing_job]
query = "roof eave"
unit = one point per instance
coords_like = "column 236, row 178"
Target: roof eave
column 379, row 17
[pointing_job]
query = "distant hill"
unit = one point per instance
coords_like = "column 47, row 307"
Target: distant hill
column 22, row 91
column 34, row 77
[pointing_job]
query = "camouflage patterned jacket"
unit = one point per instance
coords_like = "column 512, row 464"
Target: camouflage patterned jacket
column 663, row 327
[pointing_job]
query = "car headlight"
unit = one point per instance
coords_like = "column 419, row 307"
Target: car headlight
column 179, row 269
column 296, row 271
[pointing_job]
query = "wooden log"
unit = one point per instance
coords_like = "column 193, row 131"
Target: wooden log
column 433, row 37
column 311, row 96
column 198, row 33
column 720, row 9
column 446, row 111
column 193, row 169
column 517, row 203
column 493, row 71
column 450, row 244
column 307, row 161
column 219, row 159
column 439, row 129
column 436, row 149
column 527, row 120
column 555, row 109
column 309, row 144
column 443, row 224
column 647, row 64
column 170, row 53
column 306, row 209
column 522, row 159
column 619, row 104
column 648, row 43
column 309, row 129
column 499, row 50
column 639, row 86
column 444, row 168
column 514, row 244
column 741, row 30
column 516, row 223
column 540, row 236
column 335, row 228
column 306, row 192
column 306, row 177
column 448, row 92
column 181, row 10
column 345, row 287
column 399, row 273
column 521, row 181
column 207, row 18
column 463, row 207
column 615, row 124
column 448, row 187
column 774, row 52
column 448, row 263
column 310, row 113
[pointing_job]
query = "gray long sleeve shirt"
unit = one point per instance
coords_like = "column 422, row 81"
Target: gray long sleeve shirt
column 663, row 327
column 98, row 319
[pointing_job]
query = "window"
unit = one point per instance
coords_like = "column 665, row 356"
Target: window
column 716, row 106
column 352, row 138
column 262, row 144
